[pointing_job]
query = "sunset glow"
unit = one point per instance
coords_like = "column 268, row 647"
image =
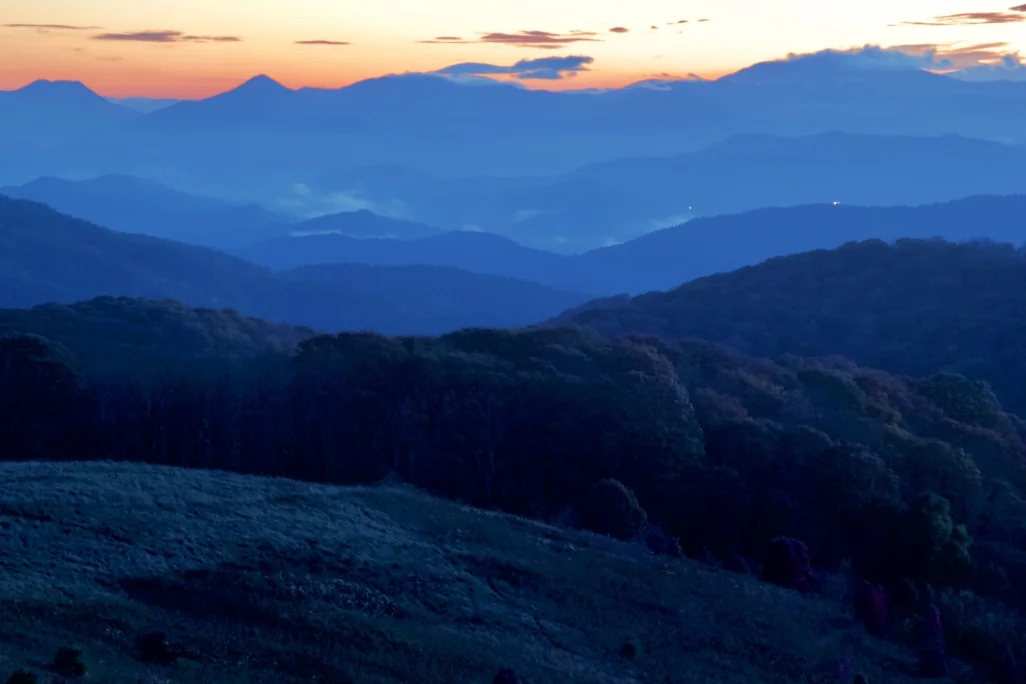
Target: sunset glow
column 195, row 48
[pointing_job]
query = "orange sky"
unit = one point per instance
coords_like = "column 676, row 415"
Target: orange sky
column 195, row 48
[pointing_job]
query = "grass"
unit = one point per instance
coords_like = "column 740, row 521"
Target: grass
column 269, row 580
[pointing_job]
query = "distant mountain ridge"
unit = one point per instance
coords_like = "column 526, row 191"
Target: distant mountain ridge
column 136, row 205
column 52, row 112
column 619, row 200
column 667, row 258
column 436, row 124
column 46, row 257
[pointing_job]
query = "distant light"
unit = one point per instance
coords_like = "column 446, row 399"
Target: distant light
column 836, row 203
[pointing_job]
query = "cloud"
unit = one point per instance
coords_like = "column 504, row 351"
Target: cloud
column 322, row 42
column 52, row 27
column 152, row 36
column 528, row 39
column 1012, row 16
column 619, row 29
column 543, row 68
column 980, row 61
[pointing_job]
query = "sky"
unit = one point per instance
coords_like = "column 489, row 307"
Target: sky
column 196, row 48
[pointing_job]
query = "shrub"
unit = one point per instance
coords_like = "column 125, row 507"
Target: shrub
column 978, row 630
column 630, row 648
column 787, row 563
column 67, row 662
column 154, row 648
column 661, row 543
column 933, row 657
column 23, row 677
column 871, row 609
column 613, row 510
column 508, row 676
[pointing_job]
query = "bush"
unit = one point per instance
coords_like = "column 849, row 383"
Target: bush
column 787, row 563
column 23, row 677
column 613, row 510
column 67, row 662
column 630, row 648
column 508, row 676
column 154, row 648
column 978, row 630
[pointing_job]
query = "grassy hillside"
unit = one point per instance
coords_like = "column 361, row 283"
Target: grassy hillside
column 266, row 580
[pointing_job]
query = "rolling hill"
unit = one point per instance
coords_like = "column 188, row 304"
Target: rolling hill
column 373, row 585
column 136, row 205
column 49, row 257
column 914, row 307
column 667, row 258
column 619, row 200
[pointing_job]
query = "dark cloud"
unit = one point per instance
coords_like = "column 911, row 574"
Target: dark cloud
column 529, row 39
column 543, row 68
column 151, row 36
column 52, row 27
column 322, row 42
column 1012, row 16
column 619, row 29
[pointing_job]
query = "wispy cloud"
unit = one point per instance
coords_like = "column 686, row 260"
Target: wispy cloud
column 543, row 68
column 323, row 42
column 528, row 39
column 52, row 27
column 153, row 36
column 1013, row 15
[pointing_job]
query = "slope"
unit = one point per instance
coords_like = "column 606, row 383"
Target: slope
column 49, row 257
column 914, row 306
column 135, row 335
column 666, row 258
column 136, row 205
column 619, row 200
column 285, row 582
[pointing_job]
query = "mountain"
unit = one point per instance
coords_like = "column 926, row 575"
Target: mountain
column 50, row 112
column 468, row 250
column 666, row 258
column 49, row 257
column 135, row 205
column 436, row 299
column 913, row 306
column 360, row 224
column 615, row 201
column 262, row 137
column 703, row 246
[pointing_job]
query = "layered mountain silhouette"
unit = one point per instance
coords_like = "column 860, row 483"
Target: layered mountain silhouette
column 666, row 258
column 619, row 200
column 135, row 205
column 47, row 257
column 262, row 136
column 50, row 112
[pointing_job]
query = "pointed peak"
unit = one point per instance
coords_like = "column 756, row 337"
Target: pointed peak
column 263, row 83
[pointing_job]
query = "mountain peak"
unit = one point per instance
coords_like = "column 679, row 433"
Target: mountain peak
column 261, row 83
column 45, row 88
